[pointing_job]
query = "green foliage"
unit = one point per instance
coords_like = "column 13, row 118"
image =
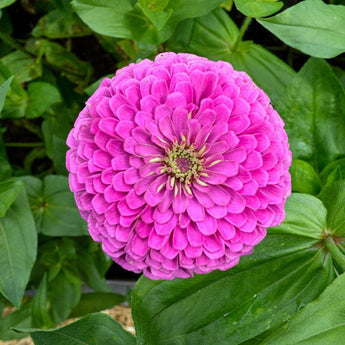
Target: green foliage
column 94, row 329
column 315, row 96
column 18, row 244
column 313, row 27
column 258, row 8
column 53, row 206
column 320, row 322
column 289, row 291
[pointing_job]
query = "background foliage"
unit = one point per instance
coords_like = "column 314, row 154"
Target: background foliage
column 53, row 54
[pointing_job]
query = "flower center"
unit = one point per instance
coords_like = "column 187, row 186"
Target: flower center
column 183, row 162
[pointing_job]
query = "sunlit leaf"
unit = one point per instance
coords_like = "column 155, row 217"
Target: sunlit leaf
column 313, row 27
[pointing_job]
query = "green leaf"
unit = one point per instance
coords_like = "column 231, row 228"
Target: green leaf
column 5, row 3
column 16, row 98
column 304, row 178
column 55, row 130
column 40, row 306
column 4, row 87
column 93, row 329
column 154, row 10
column 214, row 35
column 41, row 96
column 64, row 294
column 92, row 265
column 311, row 26
column 267, row 70
column 285, row 272
column 18, row 318
column 69, row 65
column 9, row 190
column 96, row 301
column 58, row 24
column 124, row 19
column 333, row 197
column 313, row 110
column 53, row 206
column 320, row 322
column 18, row 246
column 5, row 169
column 258, row 8
column 334, row 171
column 23, row 66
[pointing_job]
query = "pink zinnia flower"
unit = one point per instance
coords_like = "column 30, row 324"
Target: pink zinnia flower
column 179, row 165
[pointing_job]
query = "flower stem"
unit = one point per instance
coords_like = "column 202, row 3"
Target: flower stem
column 243, row 30
column 337, row 254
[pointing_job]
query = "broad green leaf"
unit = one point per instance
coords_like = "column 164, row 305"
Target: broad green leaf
column 319, row 323
column 258, row 8
column 340, row 73
column 64, row 294
column 304, row 178
column 58, row 24
column 16, row 98
column 313, row 109
column 55, row 129
column 18, row 246
column 214, row 35
column 267, row 70
column 284, row 273
column 40, row 306
column 5, row 169
column 333, row 197
column 5, row 3
column 125, row 19
column 311, row 26
column 93, row 329
column 156, row 11
column 41, row 96
column 96, row 301
column 23, row 66
column 334, row 171
column 92, row 265
column 19, row 318
column 9, row 190
column 53, row 206
column 4, row 87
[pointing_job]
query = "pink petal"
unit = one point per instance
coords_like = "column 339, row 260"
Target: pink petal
column 124, row 128
column 194, row 236
column 226, row 229
column 139, row 246
column 254, row 161
column 219, row 195
column 179, row 241
column 237, row 202
column 119, row 183
column 176, row 99
column 180, row 203
column 133, row 200
column 166, row 228
column 195, row 211
column 120, row 162
column 217, row 212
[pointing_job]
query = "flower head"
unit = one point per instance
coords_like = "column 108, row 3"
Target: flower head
column 179, row 165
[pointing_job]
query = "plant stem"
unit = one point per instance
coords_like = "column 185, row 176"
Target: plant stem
column 337, row 254
column 243, row 30
column 38, row 144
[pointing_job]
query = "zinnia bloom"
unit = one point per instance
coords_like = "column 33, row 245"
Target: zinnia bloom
column 179, row 165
